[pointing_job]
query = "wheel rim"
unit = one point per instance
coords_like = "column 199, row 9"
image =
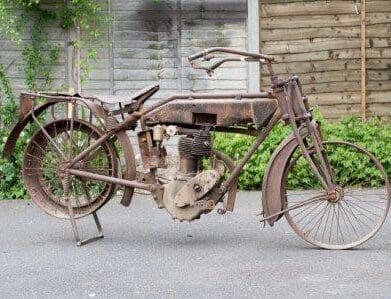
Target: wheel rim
column 46, row 157
column 350, row 215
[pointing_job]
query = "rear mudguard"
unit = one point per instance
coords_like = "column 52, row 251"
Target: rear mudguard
column 26, row 117
column 273, row 195
column 98, row 111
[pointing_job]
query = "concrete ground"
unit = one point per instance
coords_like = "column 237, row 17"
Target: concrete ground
column 147, row 255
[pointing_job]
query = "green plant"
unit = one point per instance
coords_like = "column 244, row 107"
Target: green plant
column 10, row 184
column 87, row 15
column 374, row 135
column 39, row 57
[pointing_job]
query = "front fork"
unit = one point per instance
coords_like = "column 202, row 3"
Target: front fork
column 295, row 111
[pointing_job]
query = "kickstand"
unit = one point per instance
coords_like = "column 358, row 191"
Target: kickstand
column 80, row 242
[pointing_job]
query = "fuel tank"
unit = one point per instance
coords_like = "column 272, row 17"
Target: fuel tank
column 215, row 112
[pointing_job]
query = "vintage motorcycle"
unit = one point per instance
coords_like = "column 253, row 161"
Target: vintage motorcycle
column 76, row 163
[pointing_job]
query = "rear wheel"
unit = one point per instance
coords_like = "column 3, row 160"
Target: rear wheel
column 46, row 157
column 350, row 214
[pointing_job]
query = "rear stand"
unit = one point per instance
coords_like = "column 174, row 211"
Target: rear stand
column 80, row 242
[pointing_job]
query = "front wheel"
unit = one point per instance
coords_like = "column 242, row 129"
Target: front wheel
column 346, row 216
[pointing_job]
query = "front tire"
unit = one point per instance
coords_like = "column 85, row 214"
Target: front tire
column 351, row 214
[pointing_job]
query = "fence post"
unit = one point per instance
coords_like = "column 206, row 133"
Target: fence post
column 363, row 61
column 253, row 27
column 73, row 64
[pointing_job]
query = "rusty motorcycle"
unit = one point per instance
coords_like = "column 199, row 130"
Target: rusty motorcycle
column 76, row 163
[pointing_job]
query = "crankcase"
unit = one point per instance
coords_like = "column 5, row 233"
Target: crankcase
column 196, row 188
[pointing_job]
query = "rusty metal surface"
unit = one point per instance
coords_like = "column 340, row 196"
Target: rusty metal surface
column 38, row 110
column 152, row 155
column 272, row 186
column 196, row 188
column 229, row 112
column 26, row 105
column 39, row 184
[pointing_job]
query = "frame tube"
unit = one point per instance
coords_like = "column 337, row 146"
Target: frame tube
column 109, row 179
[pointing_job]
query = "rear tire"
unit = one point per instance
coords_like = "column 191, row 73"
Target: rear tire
column 42, row 172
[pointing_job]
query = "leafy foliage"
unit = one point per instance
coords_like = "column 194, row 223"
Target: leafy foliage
column 374, row 135
column 39, row 57
column 11, row 186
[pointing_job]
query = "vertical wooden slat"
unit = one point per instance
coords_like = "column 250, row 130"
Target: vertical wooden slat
column 178, row 26
column 253, row 28
column 363, row 62
column 111, row 46
column 77, row 66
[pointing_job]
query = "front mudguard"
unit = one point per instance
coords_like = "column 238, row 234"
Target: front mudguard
column 273, row 196
column 26, row 118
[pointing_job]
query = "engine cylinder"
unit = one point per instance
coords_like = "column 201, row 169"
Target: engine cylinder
column 191, row 150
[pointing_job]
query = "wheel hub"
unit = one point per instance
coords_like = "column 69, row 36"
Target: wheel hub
column 336, row 195
column 61, row 170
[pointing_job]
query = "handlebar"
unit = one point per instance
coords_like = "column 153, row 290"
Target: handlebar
column 197, row 56
column 245, row 56
column 205, row 52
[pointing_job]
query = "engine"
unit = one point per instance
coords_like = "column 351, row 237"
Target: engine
column 192, row 191
column 186, row 197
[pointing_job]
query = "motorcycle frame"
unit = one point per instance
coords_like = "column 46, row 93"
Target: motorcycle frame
column 132, row 119
column 299, row 122
column 292, row 108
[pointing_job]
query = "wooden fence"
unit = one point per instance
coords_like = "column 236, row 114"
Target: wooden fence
column 147, row 43
column 321, row 42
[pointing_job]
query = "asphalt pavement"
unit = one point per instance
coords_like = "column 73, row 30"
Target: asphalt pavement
column 145, row 254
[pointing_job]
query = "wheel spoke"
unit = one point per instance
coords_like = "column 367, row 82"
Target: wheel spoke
column 338, row 224
column 363, row 209
column 369, row 203
column 327, row 221
column 359, row 221
column 321, row 218
column 312, row 228
column 314, row 209
column 302, row 211
column 343, row 222
column 346, row 217
column 44, row 162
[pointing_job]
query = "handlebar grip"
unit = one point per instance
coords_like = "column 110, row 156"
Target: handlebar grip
column 196, row 56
